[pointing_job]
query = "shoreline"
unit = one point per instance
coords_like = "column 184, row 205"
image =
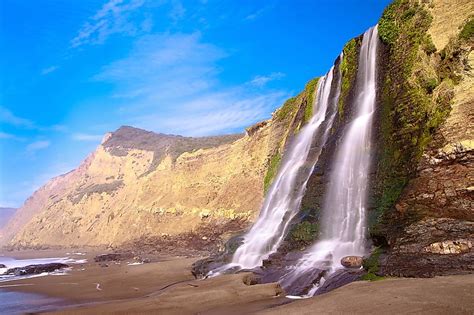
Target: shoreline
column 167, row 286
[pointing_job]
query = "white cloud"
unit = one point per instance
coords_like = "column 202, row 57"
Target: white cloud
column 163, row 67
column 7, row 117
column 262, row 80
column 115, row 17
column 37, row 145
column 256, row 14
column 4, row 135
column 170, row 84
column 49, row 70
column 214, row 114
column 87, row 137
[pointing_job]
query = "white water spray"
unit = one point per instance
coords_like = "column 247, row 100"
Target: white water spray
column 284, row 197
column 344, row 209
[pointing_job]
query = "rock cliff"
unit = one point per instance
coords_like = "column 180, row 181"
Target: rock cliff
column 139, row 184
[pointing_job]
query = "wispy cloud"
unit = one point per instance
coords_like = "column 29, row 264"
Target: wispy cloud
column 256, row 14
column 7, row 117
column 262, row 80
column 48, row 70
column 164, row 66
column 214, row 114
column 87, row 137
column 115, row 17
column 172, row 81
column 4, row 135
column 37, row 145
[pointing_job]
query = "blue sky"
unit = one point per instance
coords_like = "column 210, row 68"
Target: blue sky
column 74, row 70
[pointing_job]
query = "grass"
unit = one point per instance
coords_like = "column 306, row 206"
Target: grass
column 467, row 32
column 371, row 265
column 287, row 108
column 310, row 91
column 271, row 171
column 348, row 69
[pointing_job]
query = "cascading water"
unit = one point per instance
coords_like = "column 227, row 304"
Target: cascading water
column 344, row 220
column 284, row 197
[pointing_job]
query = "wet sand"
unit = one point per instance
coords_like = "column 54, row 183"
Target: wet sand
column 167, row 287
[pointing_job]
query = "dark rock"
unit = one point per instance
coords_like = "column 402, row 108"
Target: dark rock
column 113, row 257
column 304, row 282
column 272, row 274
column 35, row 269
column 202, row 267
column 425, row 265
column 232, row 244
column 338, row 279
column 3, row 266
column 352, row 261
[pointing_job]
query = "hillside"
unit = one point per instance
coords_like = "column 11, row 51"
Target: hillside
column 139, row 183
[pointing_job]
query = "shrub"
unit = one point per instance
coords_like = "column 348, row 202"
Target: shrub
column 467, row 31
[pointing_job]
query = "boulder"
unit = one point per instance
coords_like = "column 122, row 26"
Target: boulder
column 202, row 267
column 3, row 266
column 251, row 279
column 35, row 269
column 113, row 257
column 303, row 282
column 352, row 261
column 339, row 279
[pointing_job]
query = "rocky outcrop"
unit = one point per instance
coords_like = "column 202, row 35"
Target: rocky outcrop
column 428, row 223
column 35, row 269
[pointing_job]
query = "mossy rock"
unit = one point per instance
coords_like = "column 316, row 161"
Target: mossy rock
column 304, row 233
column 371, row 264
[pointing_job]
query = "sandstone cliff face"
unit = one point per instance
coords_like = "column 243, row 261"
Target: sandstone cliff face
column 139, row 183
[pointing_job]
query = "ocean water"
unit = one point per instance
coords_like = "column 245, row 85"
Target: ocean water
column 13, row 263
column 20, row 303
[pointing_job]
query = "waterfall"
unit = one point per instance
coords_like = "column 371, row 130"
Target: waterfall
column 344, row 208
column 284, row 197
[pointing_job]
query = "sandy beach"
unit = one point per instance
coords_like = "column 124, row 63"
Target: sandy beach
column 166, row 286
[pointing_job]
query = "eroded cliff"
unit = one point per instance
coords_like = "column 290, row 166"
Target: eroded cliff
column 142, row 184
